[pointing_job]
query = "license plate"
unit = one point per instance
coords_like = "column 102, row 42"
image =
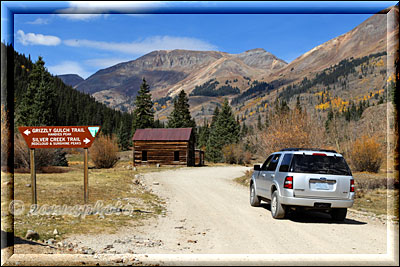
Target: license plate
column 321, row 186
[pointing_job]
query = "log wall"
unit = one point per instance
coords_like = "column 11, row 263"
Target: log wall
column 162, row 152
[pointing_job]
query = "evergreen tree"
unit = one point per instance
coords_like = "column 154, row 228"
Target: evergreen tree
column 284, row 108
column 238, row 122
column 266, row 120
column 38, row 106
column 259, row 124
column 224, row 131
column 204, row 135
column 244, row 130
column 143, row 116
column 214, row 117
column 124, row 133
column 329, row 119
column 298, row 105
column 158, row 124
column 180, row 117
column 250, row 130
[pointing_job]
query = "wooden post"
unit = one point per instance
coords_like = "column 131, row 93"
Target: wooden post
column 33, row 176
column 134, row 154
column 85, row 178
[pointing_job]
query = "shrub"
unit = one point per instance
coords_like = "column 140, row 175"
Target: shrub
column 229, row 153
column 292, row 128
column 104, row 152
column 247, row 157
column 366, row 154
column 43, row 157
column 235, row 154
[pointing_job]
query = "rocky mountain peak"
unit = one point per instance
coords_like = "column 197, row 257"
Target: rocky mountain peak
column 260, row 58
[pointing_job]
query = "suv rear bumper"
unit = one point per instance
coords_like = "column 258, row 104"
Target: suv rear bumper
column 309, row 202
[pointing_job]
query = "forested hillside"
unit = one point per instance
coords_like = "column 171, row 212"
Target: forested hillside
column 69, row 106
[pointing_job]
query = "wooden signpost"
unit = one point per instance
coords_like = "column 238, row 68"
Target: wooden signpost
column 59, row 137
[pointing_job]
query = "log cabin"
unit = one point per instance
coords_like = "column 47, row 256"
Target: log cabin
column 164, row 146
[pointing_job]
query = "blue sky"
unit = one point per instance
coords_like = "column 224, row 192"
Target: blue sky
column 84, row 43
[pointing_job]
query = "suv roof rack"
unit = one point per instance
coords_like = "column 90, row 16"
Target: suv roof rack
column 312, row 149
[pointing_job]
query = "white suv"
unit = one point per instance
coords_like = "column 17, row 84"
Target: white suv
column 303, row 178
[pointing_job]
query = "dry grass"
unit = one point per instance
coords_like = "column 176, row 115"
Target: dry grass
column 245, row 179
column 376, row 201
column 106, row 185
column 376, row 193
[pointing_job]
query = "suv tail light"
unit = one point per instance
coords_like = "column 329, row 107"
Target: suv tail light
column 288, row 182
column 352, row 185
column 319, row 154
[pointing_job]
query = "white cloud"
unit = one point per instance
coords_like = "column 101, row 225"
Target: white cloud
column 39, row 21
column 86, row 10
column 85, row 17
column 69, row 67
column 108, row 6
column 146, row 45
column 102, row 63
column 37, row 39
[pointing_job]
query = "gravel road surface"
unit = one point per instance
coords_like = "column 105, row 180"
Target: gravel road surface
column 207, row 212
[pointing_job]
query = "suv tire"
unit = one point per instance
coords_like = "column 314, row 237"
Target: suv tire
column 278, row 211
column 338, row 214
column 254, row 199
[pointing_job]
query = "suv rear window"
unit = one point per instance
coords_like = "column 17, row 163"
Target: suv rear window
column 319, row 164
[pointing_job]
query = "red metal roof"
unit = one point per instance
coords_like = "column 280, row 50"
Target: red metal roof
column 163, row 134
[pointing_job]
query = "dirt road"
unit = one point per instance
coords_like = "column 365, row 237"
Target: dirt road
column 207, row 212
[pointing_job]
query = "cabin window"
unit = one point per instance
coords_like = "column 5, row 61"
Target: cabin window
column 144, row 155
column 176, row 155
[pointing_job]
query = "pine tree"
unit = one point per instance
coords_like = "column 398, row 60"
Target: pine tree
column 238, row 122
column 259, row 124
column 284, row 108
column 204, row 134
column 244, row 130
column 214, row 117
column 37, row 107
column 158, row 124
column 224, row 131
column 211, row 153
column 143, row 116
column 329, row 119
column 298, row 105
column 180, row 117
column 124, row 133
column 266, row 120
column 250, row 130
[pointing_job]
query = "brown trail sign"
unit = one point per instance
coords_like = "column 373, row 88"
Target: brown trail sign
column 59, row 137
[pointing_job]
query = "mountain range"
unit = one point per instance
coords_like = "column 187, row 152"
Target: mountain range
column 210, row 76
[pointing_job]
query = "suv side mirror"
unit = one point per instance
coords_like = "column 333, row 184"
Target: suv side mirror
column 257, row 167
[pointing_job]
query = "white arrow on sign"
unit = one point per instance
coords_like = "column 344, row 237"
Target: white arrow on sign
column 86, row 140
column 27, row 132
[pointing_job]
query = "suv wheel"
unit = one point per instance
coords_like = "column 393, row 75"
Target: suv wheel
column 339, row 214
column 277, row 209
column 254, row 199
